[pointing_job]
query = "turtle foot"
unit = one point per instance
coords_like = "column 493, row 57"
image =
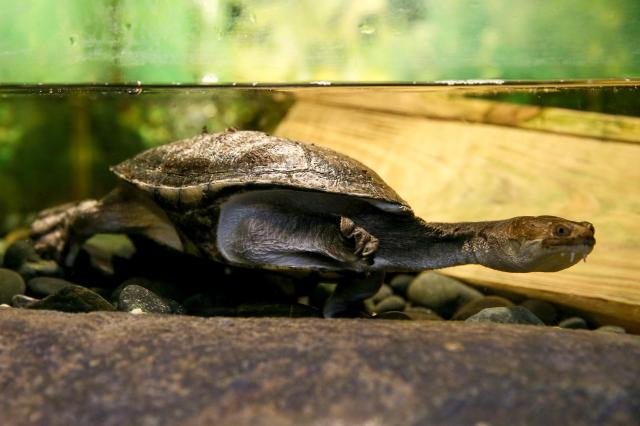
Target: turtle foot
column 347, row 299
column 365, row 243
column 51, row 231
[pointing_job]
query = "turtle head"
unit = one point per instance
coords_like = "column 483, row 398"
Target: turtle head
column 537, row 244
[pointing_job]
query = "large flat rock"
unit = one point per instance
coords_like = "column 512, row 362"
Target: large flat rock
column 123, row 369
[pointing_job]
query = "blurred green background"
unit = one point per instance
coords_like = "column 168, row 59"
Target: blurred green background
column 211, row 41
column 56, row 142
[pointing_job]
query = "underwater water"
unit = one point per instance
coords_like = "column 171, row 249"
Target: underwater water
column 455, row 150
column 57, row 142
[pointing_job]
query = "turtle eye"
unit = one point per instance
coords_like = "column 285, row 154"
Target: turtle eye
column 561, row 231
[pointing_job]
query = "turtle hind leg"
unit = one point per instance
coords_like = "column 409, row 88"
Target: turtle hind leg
column 59, row 232
column 352, row 290
column 51, row 232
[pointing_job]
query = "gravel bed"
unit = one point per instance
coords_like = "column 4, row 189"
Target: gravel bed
column 111, row 273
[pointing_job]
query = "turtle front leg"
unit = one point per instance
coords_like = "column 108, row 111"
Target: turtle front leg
column 352, row 290
column 365, row 243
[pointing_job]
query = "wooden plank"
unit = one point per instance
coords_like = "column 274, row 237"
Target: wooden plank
column 455, row 107
column 457, row 171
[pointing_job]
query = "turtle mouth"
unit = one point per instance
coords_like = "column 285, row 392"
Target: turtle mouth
column 587, row 241
column 561, row 256
column 576, row 252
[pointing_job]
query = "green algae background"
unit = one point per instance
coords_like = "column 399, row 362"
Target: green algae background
column 211, row 41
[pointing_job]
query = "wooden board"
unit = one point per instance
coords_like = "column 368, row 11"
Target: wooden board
column 451, row 170
column 618, row 128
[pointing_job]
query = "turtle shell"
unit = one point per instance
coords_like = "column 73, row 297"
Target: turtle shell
column 184, row 172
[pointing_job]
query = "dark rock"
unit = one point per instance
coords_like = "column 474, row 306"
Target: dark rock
column 22, row 301
column 22, row 258
column 283, row 285
column 369, row 306
column 506, row 315
column 73, row 299
column 11, row 283
column 320, row 294
column 46, row 286
column 383, row 292
column 611, row 329
column 136, row 297
column 542, row 309
column 400, row 284
column 392, row 315
column 197, row 303
column 478, row 305
column 19, row 252
column 390, row 303
column 115, row 369
column 47, row 268
column 162, row 288
column 443, row 294
column 574, row 323
column 418, row 313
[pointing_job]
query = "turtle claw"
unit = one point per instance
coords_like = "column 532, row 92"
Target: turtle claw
column 365, row 243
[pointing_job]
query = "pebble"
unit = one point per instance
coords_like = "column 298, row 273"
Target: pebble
column 391, row 303
column 73, row 299
column 418, row 313
column 47, row 268
column 22, row 301
column 383, row 292
column 320, row 294
column 22, row 258
column 542, row 309
column 161, row 288
column 20, row 252
column 573, row 322
column 440, row 293
column 400, row 284
column 134, row 296
column 197, row 303
column 46, row 286
column 506, row 315
column 611, row 329
column 112, row 244
column 11, row 283
column 102, row 249
column 478, row 305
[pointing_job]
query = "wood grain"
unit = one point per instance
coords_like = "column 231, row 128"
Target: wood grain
column 444, row 106
column 450, row 170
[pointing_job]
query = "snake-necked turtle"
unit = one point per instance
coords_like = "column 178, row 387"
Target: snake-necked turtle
column 249, row 199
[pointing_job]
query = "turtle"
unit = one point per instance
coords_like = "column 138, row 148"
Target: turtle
column 253, row 200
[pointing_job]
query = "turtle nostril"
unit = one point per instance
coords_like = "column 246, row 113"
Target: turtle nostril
column 589, row 226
